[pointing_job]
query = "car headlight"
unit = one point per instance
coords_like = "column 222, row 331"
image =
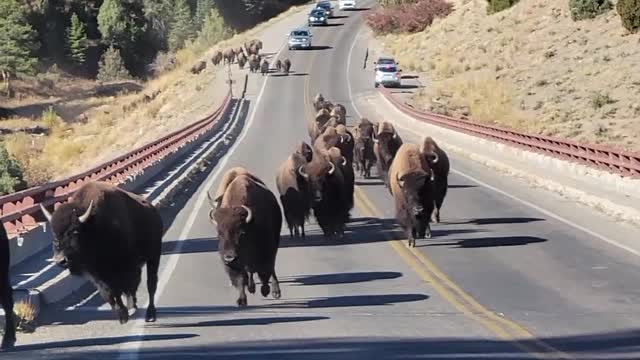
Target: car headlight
column 322, row 18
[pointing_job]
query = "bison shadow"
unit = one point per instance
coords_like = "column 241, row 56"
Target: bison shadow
column 242, row 322
column 439, row 232
column 490, row 242
column 321, row 47
column 494, row 221
column 340, row 278
column 190, row 246
column 350, row 301
column 105, row 341
column 410, row 77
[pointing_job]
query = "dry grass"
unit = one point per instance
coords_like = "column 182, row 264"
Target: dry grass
column 25, row 314
column 531, row 68
column 90, row 125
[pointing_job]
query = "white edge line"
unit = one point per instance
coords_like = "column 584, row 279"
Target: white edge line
column 131, row 353
column 479, row 182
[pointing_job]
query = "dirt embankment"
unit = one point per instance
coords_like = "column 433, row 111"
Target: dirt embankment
column 530, row 67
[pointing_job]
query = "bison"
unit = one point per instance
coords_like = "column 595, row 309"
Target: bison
column 264, row 68
column 365, row 128
column 109, row 233
column 278, row 65
column 242, row 61
column 364, row 157
column 347, row 144
column 335, row 155
column 439, row 163
column 227, row 178
column 411, row 181
column 198, row 67
column 316, row 126
column 386, row 144
column 328, row 194
column 254, row 63
column 340, row 112
column 6, row 292
column 295, row 197
column 248, row 222
column 318, row 100
column 229, row 56
column 286, row 65
column 216, row 58
column 305, row 150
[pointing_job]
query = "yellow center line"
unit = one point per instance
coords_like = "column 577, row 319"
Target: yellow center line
column 504, row 328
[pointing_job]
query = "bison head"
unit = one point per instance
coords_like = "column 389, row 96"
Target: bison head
column 305, row 150
column 317, row 172
column 232, row 223
column 413, row 186
column 69, row 224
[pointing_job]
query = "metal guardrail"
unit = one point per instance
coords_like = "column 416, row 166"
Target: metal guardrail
column 624, row 163
column 20, row 211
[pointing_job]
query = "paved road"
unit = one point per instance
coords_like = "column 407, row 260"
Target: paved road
column 510, row 270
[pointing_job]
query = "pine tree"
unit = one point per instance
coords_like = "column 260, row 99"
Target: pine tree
column 213, row 30
column 17, row 42
column 159, row 14
column 122, row 24
column 11, row 175
column 112, row 67
column 182, row 27
column 77, row 41
column 203, row 9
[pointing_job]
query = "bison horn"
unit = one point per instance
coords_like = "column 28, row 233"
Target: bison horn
column 249, row 214
column 395, row 135
column 400, row 182
column 46, row 213
column 435, row 158
column 211, row 217
column 333, row 168
column 84, row 217
column 302, row 173
column 211, row 201
column 344, row 161
column 348, row 137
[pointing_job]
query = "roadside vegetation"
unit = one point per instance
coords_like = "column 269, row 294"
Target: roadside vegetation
column 106, row 83
column 562, row 68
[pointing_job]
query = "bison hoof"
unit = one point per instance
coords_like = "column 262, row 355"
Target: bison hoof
column 265, row 289
column 151, row 315
column 276, row 294
column 8, row 343
column 123, row 316
column 252, row 288
column 242, row 302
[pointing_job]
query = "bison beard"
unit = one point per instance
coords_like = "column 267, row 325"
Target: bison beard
column 6, row 292
column 110, row 234
column 248, row 223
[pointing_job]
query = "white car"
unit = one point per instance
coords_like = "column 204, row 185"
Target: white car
column 346, row 4
column 388, row 75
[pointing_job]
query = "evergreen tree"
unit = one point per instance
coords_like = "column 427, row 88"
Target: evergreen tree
column 213, row 30
column 112, row 67
column 182, row 27
column 11, row 175
column 159, row 14
column 77, row 41
column 203, row 10
column 123, row 25
column 17, row 42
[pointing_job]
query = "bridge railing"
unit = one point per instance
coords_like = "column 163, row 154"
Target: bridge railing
column 20, row 211
column 620, row 162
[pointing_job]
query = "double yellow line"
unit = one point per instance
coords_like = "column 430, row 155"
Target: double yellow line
column 504, row 328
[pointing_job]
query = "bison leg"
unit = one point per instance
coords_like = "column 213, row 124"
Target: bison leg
column 251, row 286
column 123, row 312
column 296, row 231
column 241, row 282
column 9, row 339
column 427, row 234
column 265, row 289
column 152, row 286
column 302, row 230
column 276, row 286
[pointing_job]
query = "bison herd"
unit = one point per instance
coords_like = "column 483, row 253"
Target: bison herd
column 250, row 55
column 109, row 234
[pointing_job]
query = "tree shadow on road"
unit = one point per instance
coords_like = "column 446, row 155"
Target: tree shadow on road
column 242, row 322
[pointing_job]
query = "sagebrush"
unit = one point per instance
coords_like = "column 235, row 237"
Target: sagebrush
column 409, row 17
column 588, row 9
column 629, row 11
column 494, row 6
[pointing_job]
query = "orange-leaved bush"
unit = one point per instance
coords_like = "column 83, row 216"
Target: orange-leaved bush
column 408, row 18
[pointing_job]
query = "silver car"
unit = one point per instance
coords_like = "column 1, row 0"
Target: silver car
column 300, row 39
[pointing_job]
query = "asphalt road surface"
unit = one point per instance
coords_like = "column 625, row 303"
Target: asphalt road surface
column 510, row 274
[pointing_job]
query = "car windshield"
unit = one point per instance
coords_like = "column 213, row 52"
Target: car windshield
column 385, row 61
column 317, row 13
column 324, row 5
column 299, row 33
column 388, row 69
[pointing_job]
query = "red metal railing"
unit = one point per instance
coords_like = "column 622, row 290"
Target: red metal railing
column 19, row 211
column 601, row 157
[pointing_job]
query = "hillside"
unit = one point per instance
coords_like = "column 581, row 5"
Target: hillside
column 530, row 67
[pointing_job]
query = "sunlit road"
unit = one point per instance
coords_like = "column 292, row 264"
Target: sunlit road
column 496, row 270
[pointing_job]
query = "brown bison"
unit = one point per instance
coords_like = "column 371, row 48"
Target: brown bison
column 278, row 65
column 365, row 128
column 228, row 56
column 439, row 163
column 6, row 292
column 227, row 178
column 254, row 63
column 109, row 233
column 386, row 144
column 328, row 193
column 316, row 126
column 305, row 150
column 216, row 58
column 364, row 157
column 347, row 144
column 248, row 222
column 198, row 67
column 238, row 51
column 411, row 181
column 295, row 197
column 318, row 100
column 286, row 65
column 340, row 112
column 242, row 61
column 264, row 68
column 335, row 155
